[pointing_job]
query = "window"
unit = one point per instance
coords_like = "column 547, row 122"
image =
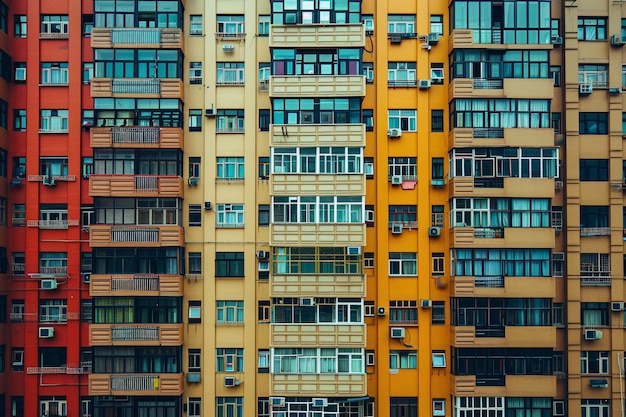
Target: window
column 264, row 361
column 229, row 215
column 438, row 263
column 229, row 360
column 53, row 263
column 86, row 311
column 87, row 72
column 17, row 406
column 20, row 72
column 264, row 120
column 87, row 166
column 318, row 361
column 194, row 166
column 368, row 71
column 264, row 312
column 264, row 75
column 86, row 262
column 54, row 26
column 54, row 73
column 194, row 407
column 17, row 359
column 594, row 314
column 593, row 217
column 403, row 264
column 17, row 310
column 317, row 209
column 437, row 73
column 595, row 265
column 439, row 359
column 403, row 359
column 19, row 215
column 368, row 167
column 436, row 120
column 4, row 113
column 195, row 120
column 404, row 167
column 437, row 169
column 595, row 408
column 195, row 263
column 369, row 309
column 402, row 407
column 500, row 113
column 230, row 26
column 264, row 215
column 230, row 73
column 401, row 74
column 195, row 24
column 438, row 312
column 195, row 311
column 19, row 120
column 195, row 215
column 229, row 121
column 405, row 120
column 229, row 407
column 436, row 24
column 368, row 260
column 53, row 121
column 368, row 119
column 405, row 215
column 229, row 312
column 52, row 311
column 194, row 360
column 264, row 167
column 264, row 25
column 19, row 25
column 368, row 21
column 436, row 214
column 230, row 168
column 558, row 319
column 229, row 264
column 594, row 170
column 555, row 73
column 87, row 25
column 596, row 75
column 403, row 312
column 591, row 28
column 195, row 72
column 592, row 362
column 555, row 122
column 403, row 25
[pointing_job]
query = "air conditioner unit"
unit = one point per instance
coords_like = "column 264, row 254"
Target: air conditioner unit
column 262, row 254
column 426, row 303
column 369, row 216
column 617, row 306
column 380, row 311
column 599, row 383
column 433, row 37
column 307, row 302
column 434, row 231
column 558, row 408
column 585, row 88
column 424, row 84
column 556, row 40
column 208, row 205
column 396, row 180
column 397, row 332
column 426, row 46
column 353, row 250
column 228, row 47
column 209, row 112
column 320, row 402
column 394, row 133
column 439, row 408
column 20, row 74
column 616, row 40
column 194, row 181
column 615, row 91
column 230, row 381
column 48, row 284
column 395, row 39
column 277, row 401
column 369, row 168
column 46, row 332
column 396, row 228
column 593, row 335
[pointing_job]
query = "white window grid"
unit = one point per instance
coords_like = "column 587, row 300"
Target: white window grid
column 230, row 76
column 323, row 160
column 230, row 168
column 54, row 120
column 55, row 74
column 229, row 215
column 229, row 124
column 406, row 120
column 476, row 163
column 318, row 360
column 229, row 312
column 478, row 406
column 264, row 24
column 54, row 25
column 595, row 264
column 318, row 209
column 230, row 26
column 405, row 167
column 601, row 359
column 229, row 359
column 52, row 311
column 403, row 264
column 194, row 407
column 401, row 72
column 401, row 24
column 343, row 312
column 54, row 407
column 194, row 358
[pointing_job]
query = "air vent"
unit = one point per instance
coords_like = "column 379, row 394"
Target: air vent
column 397, row 332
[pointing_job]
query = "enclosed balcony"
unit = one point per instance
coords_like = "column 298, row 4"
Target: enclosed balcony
column 124, row 285
column 137, row 87
column 508, row 386
column 320, row 234
column 136, row 137
column 467, row 137
column 502, row 237
column 499, row 286
column 135, row 384
column 311, row 184
column 501, row 88
column 542, row 336
column 135, row 334
column 145, row 236
column 318, row 385
column 103, row 185
column 317, row 86
column 303, row 335
column 317, row 135
column 317, row 36
column 493, row 38
column 320, row 285
column 166, row 38
column 501, row 187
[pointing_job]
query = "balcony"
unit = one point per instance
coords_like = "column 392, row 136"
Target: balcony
column 50, row 272
column 507, row 237
column 498, row 286
column 317, row 135
column 514, row 386
column 501, row 88
column 135, row 334
column 133, row 38
column 323, row 184
column 148, row 285
column 511, row 336
column 53, row 224
column 136, row 384
column 317, row 86
column 103, row 185
column 487, row 39
column 317, row 36
column 311, row 335
column 467, row 137
column 593, row 276
column 144, row 236
column 137, row 87
column 320, row 234
column 318, row 385
column 501, row 187
column 595, row 231
column 323, row 285
column 136, row 137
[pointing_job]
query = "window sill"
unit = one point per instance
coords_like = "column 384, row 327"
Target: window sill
column 53, row 84
column 229, row 131
column 54, row 36
column 52, row 131
column 220, row 179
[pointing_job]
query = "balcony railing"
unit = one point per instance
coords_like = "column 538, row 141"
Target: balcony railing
column 132, row 333
column 489, row 282
column 264, row 85
column 131, row 36
column 405, row 224
column 598, row 281
column 135, row 383
column 140, row 86
column 489, row 182
column 147, row 282
column 46, row 370
column 595, row 231
column 52, row 224
column 135, row 135
column 18, row 268
column 489, row 232
column 598, row 79
column 488, row 133
column 147, row 183
column 402, row 83
column 485, row 84
column 134, row 234
column 53, row 270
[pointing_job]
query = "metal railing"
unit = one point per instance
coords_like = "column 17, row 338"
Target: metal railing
column 489, row 182
column 53, row 270
column 135, row 383
column 134, row 234
column 598, row 79
column 595, row 281
column 488, row 133
column 405, row 224
column 144, row 36
column 147, row 282
column 485, row 84
column 143, row 86
column 489, row 282
column 489, row 232
column 18, row 268
column 135, row 135
column 595, row 231
column 148, row 183
column 135, row 333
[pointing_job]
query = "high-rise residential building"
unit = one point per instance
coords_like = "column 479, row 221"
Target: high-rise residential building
column 330, row 208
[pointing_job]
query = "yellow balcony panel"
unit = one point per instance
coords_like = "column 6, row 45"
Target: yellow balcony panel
column 515, row 386
column 136, row 384
column 323, row 234
column 318, row 385
column 103, row 185
column 317, row 135
column 136, row 137
column 504, row 237
column 134, row 38
column 138, row 87
column 323, row 184
column 509, row 287
column 317, row 36
column 512, row 336
column 306, row 335
column 502, row 187
column 135, row 334
column 129, row 285
column 144, row 236
column 501, row 88
column 467, row 137
column 468, row 38
column 352, row 285
column 317, row 86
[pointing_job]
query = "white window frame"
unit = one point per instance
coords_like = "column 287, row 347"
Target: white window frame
column 232, row 74
column 595, row 407
column 60, row 406
column 230, row 26
column 479, row 406
column 403, row 166
column 460, row 167
column 226, row 123
column 309, row 360
column 17, row 357
column 229, row 215
column 602, row 359
column 53, row 120
column 48, row 26
column 326, row 160
column 368, row 71
column 436, row 27
column 397, row 24
column 194, row 407
column 230, row 358
column 53, row 311
column 17, row 312
column 402, row 262
column 369, row 309
column 58, row 70
column 225, row 307
column 263, row 361
column 396, row 117
column 402, row 73
column 264, row 24
column 227, row 164
column 437, row 359
column 195, row 72
column 318, row 209
column 398, row 356
column 53, row 263
column 196, row 25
